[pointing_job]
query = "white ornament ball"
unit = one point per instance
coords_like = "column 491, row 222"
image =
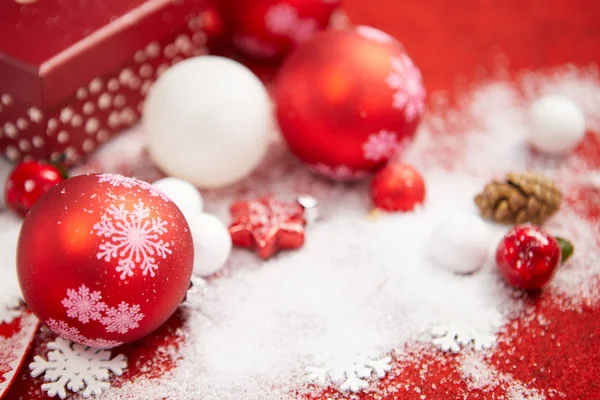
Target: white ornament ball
column 184, row 194
column 5, row 170
column 212, row 243
column 460, row 243
column 557, row 125
column 207, row 121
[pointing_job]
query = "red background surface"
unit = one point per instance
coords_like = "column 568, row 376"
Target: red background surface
column 450, row 38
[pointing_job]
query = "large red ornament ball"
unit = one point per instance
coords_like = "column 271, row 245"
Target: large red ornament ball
column 103, row 259
column 348, row 101
column 269, row 29
column 398, row 187
column 527, row 257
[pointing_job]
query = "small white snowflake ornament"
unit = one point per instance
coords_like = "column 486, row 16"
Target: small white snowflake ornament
column 74, row 367
column 453, row 339
column 351, row 376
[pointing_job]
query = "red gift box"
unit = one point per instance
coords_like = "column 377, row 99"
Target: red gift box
column 73, row 73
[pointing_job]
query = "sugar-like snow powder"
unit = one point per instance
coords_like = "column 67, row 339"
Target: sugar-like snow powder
column 364, row 284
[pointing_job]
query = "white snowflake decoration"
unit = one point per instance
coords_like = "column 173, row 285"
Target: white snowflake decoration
column 83, row 305
column 452, row 338
column 122, row 318
column 352, row 376
column 281, row 18
column 406, row 80
column 380, row 146
column 133, row 238
column 374, row 34
column 338, row 172
column 254, row 46
column 76, row 367
column 130, row 183
column 9, row 309
column 63, row 329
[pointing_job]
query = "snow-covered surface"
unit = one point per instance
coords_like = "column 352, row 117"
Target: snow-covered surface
column 363, row 287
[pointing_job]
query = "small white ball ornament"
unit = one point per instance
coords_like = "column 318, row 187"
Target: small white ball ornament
column 184, row 194
column 557, row 125
column 212, row 243
column 460, row 243
column 207, row 121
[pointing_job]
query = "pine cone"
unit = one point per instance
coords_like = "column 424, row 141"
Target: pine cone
column 524, row 197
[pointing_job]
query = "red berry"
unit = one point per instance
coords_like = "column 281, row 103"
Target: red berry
column 27, row 182
column 527, row 257
column 398, row 187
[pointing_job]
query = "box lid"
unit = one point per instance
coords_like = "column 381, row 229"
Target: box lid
column 48, row 48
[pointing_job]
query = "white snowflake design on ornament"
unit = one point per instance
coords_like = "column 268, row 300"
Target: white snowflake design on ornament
column 133, row 238
column 122, row 318
column 280, row 18
column 77, row 368
column 254, row 46
column 375, row 35
column 382, row 145
column 406, row 80
column 338, row 172
column 65, row 330
column 283, row 19
column 130, row 183
column 83, row 305
column 10, row 309
column 452, row 338
column 352, row 376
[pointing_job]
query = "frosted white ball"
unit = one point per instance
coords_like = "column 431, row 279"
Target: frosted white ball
column 207, row 121
column 557, row 125
column 212, row 243
column 460, row 243
column 5, row 170
column 184, row 194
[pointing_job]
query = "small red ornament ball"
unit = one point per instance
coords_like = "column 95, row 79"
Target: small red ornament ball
column 397, row 187
column 103, row 259
column 527, row 257
column 27, row 182
column 348, row 101
column 269, row 29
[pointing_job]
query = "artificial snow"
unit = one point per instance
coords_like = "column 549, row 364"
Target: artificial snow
column 364, row 286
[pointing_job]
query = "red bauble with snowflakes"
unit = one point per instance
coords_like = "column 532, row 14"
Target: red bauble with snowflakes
column 27, row 182
column 103, row 259
column 398, row 187
column 269, row 29
column 348, row 101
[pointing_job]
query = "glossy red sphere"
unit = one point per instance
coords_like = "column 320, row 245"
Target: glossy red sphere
column 27, row 182
column 527, row 257
column 270, row 29
column 348, row 101
column 398, row 187
column 103, row 259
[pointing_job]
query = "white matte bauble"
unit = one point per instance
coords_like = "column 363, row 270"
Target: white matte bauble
column 557, row 125
column 212, row 243
column 5, row 170
column 460, row 243
column 184, row 194
column 207, row 121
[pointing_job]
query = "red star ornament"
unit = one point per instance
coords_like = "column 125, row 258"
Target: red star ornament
column 267, row 225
